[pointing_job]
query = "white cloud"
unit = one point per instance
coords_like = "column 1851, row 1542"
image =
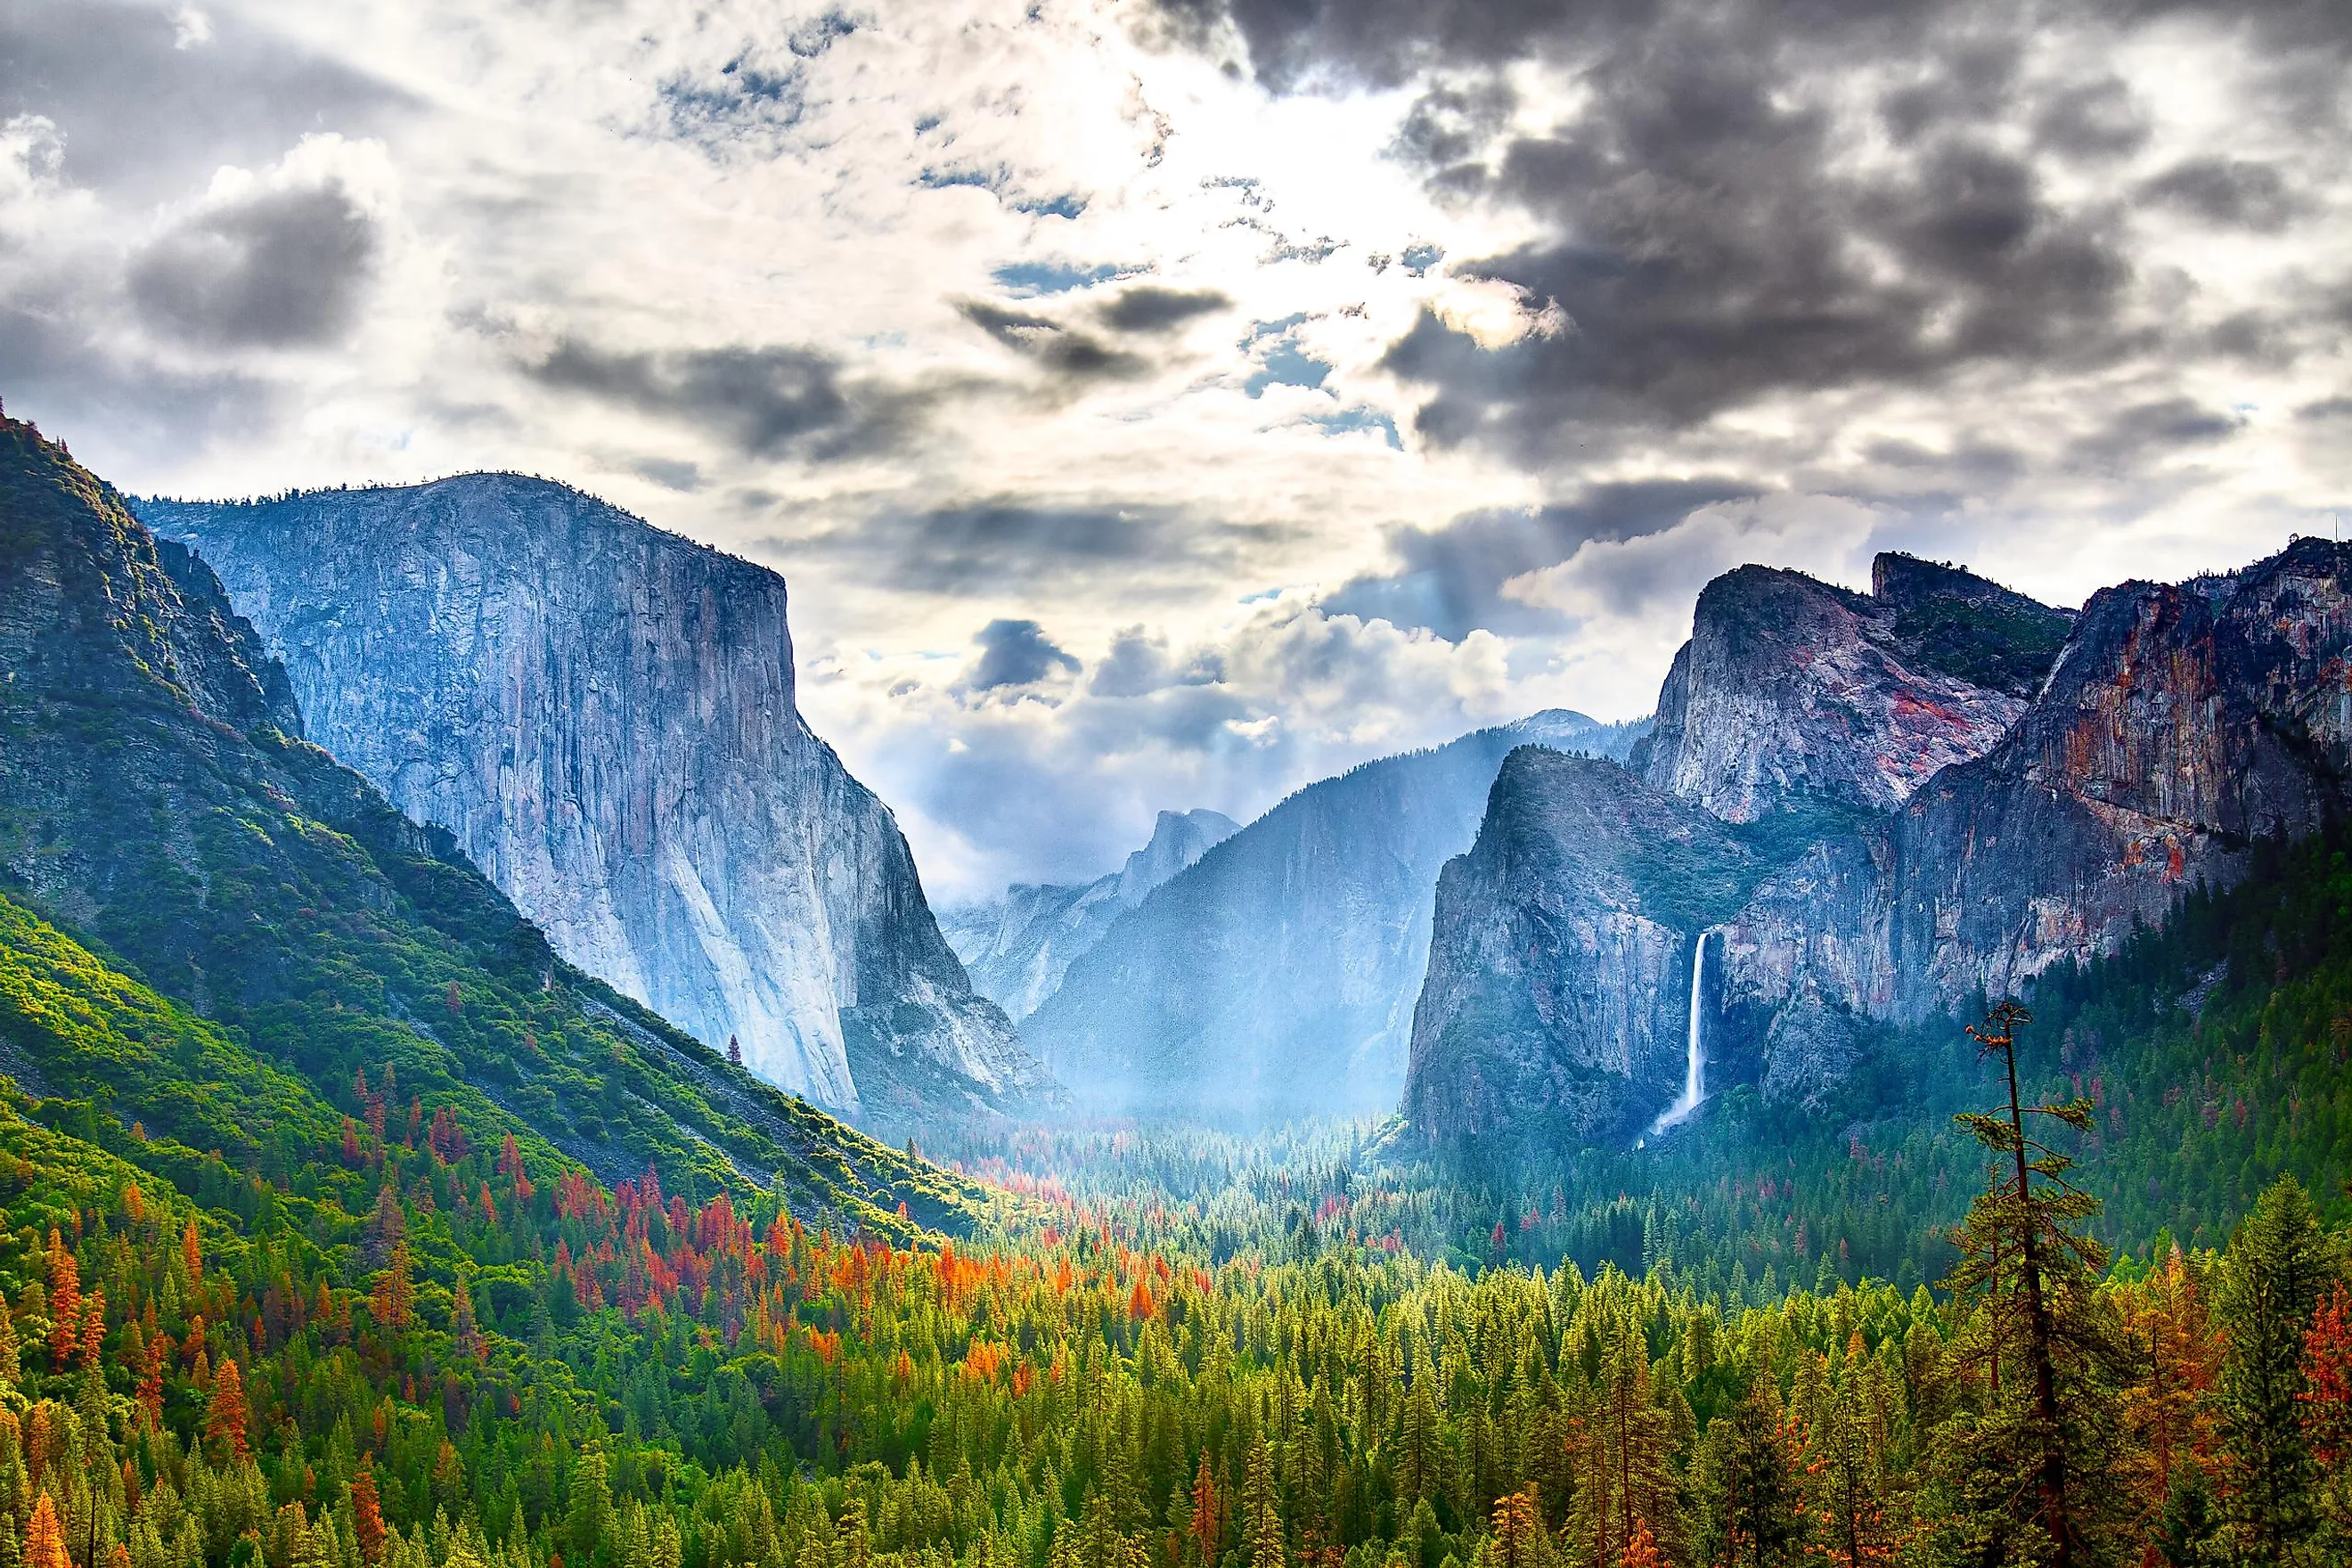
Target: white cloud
column 734, row 268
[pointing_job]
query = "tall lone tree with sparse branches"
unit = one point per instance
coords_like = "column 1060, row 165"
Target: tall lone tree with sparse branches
column 2050, row 1348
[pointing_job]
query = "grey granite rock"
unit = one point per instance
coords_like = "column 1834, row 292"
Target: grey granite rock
column 602, row 714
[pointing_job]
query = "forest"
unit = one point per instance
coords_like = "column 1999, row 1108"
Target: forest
column 392, row 1340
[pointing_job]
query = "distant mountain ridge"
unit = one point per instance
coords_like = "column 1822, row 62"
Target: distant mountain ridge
column 1278, row 974
column 1017, row 948
column 603, row 715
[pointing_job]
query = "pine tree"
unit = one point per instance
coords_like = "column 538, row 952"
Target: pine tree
column 1518, row 1539
column 1625, row 1479
column 1747, row 1484
column 1261, row 1513
column 65, row 1303
column 225, row 1415
column 44, row 1538
column 2278, row 1265
column 1207, row 1514
column 590, row 1518
column 2050, row 1348
column 2166, row 1413
column 367, row 1515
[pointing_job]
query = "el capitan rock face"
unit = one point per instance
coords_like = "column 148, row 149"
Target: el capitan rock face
column 602, row 714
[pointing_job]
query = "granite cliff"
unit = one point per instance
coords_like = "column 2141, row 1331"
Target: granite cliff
column 1561, row 968
column 604, row 717
column 1017, row 948
column 1791, row 693
column 1278, row 974
column 160, row 807
column 1997, row 810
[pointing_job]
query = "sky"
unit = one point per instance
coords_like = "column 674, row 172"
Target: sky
column 1162, row 403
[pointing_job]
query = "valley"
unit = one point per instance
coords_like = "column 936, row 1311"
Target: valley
column 485, row 1085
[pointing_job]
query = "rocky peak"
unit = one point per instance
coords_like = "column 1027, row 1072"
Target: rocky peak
column 1947, row 618
column 1561, row 964
column 603, row 715
column 1178, row 838
column 1793, row 694
column 1018, row 947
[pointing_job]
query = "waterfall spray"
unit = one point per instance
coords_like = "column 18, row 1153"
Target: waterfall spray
column 1694, row 1051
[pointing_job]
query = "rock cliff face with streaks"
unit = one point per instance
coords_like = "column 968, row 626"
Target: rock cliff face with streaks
column 1799, row 720
column 1560, row 967
column 603, row 715
column 1792, row 693
column 2069, row 799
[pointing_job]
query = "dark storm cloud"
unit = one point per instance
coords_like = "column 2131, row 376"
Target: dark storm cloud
column 2232, row 192
column 283, row 269
column 1150, row 309
column 109, row 411
column 2156, row 429
column 993, row 546
column 1016, row 652
column 776, row 401
column 1452, row 577
column 1067, row 356
column 1708, row 240
column 147, row 109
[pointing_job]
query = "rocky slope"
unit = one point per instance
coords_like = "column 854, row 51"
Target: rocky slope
column 2181, row 724
column 1017, row 948
column 1278, row 973
column 1792, row 694
column 603, row 715
column 157, row 802
column 1559, row 971
column 2178, row 725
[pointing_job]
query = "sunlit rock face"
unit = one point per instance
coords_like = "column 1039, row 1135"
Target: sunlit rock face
column 1792, row 693
column 603, row 715
column 1017, row 948
column 1560, row 981
column 1277, row 975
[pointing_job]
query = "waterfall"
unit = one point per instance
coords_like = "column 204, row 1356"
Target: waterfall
column 1694, row 1052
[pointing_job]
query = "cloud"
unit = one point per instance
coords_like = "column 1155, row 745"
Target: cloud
column 769, row 401
column 2228, row 192
column 1016, row 652
column 1068, row 355
column 1148, row 308
column 1450, row 579
column 150, row 98
column 1749, row 205
column 1010, row 543
column 279, row 268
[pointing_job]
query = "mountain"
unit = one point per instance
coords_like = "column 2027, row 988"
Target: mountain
column 1018, row 947
column 603, row 715
column 2171, row 730
column 2183, row 724
column 1562, row 968
column 1797, row 719
column 1792, row 693
column 1278, row 973
column 218, row 930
